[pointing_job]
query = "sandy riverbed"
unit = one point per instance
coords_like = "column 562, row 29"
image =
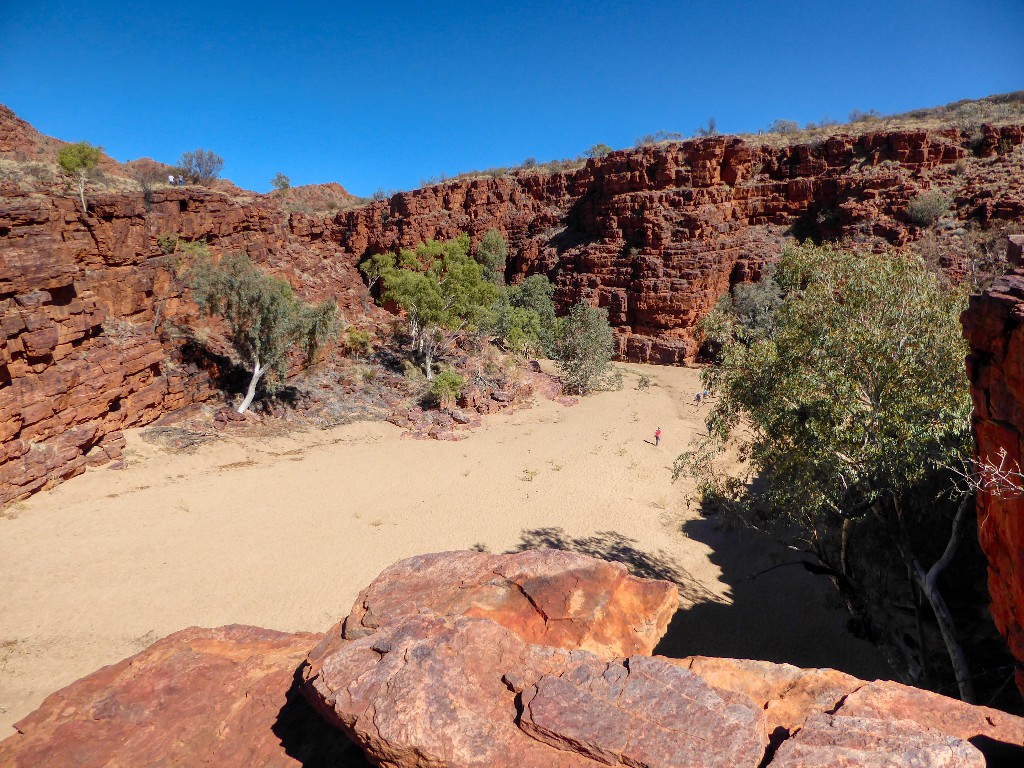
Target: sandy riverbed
column 283, row 532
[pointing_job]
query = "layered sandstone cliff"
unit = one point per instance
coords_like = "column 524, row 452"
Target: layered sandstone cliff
column 658, row 234
column 655, row 234
column 994, row 328
column 85, row 301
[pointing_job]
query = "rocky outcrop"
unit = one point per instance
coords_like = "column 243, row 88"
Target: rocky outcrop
column 441, row 664
column 198, row 697
column 657, row 234
column 87, row 306
column 994, row 328
column 547, row 597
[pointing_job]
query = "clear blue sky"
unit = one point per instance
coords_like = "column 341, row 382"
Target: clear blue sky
column 376, row 94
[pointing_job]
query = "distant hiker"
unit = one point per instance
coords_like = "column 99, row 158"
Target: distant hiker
column 707, row 394
column 181, row 181
column 170, row 179
column 657, row 436
column 697, row 399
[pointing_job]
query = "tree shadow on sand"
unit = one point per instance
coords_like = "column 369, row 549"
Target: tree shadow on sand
column 777, row 610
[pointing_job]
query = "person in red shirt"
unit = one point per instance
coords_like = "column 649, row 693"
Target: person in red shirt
column 657, row 436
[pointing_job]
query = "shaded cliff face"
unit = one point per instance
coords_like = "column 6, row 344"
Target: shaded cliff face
column 994, row 328
column 658, row 234
column 83, row 308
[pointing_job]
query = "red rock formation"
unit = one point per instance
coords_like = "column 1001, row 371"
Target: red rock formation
column 657, row 234
column 547, row 597
column 83, row 301
column 994, row 328
column 414, row 687
column 198, row 697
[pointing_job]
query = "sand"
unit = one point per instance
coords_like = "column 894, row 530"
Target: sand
column 283, row 532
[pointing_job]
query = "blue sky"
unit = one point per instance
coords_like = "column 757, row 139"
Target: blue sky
column 382, row 95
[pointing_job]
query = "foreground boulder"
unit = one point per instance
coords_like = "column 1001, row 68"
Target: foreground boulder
column 222, row 697
column 468, row 659
column 547, row 597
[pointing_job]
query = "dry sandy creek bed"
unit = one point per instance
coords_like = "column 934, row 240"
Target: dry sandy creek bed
column 283, row 532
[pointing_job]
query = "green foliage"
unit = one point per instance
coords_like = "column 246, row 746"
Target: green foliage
column 264, row 317
column 517, row 327
column 168, row 243
column 535, row 294
column 598, row 150
column 280, row 182
column 442, row 291
column 376, row 266
column 491, row 254
column 357, row 342
column 447, row 387
column 80, row 158
column 848, row 403
column 201, row 166
column 78, row 161
column 584, row 349
column 745, row 315
column 928, row 207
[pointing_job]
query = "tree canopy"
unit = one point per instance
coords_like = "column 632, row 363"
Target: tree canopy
column 200, row 166
column 584, row 348
column 843, row 386
column 264, row 317
column 78, row 161
column 491, row 253
column 442, row 291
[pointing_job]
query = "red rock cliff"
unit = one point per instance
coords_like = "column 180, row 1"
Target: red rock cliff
column 657, row 234
column 994, row 328
column 81, row 356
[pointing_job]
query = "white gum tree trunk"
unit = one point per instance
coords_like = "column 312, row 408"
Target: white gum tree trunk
column 257, row 374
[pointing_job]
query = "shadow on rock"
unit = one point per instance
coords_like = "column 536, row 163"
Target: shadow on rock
column 311, row 740
column 614, row 547
column 778, row 611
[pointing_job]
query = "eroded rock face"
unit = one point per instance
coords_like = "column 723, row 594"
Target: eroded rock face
column 547, row 597
column 454, row 687
column 85, row 301
column 657, row 234
column 198, row 697
column 458, row 691
column 994, row 329
column 446, row 690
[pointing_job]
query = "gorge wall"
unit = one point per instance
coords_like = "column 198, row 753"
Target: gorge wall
column 994, row 328
column 655, row 234
column 85, row 350
column 658, row 234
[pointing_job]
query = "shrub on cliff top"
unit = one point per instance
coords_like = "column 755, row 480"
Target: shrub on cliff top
column 78, row 161
column 201, row 166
